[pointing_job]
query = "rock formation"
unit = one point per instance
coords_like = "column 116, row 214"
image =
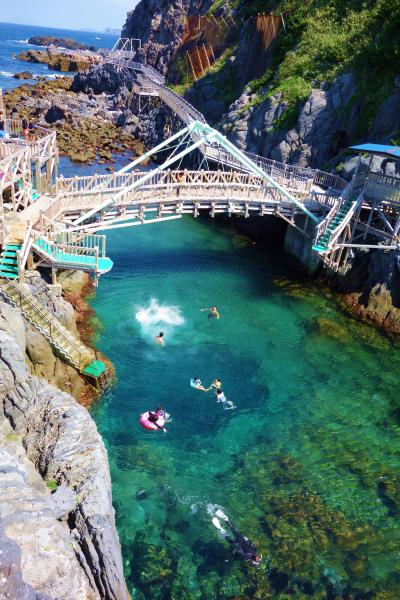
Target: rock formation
column 60, row 545
column 50, row 40
column 59, row 60
column 161, row 26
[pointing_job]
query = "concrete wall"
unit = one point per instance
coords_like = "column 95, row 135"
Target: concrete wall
column 299, row 247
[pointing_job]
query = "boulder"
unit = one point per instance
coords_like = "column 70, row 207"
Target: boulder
column 55, row 113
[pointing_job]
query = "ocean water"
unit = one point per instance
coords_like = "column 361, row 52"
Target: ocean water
column 13, row 40
column 307, row 465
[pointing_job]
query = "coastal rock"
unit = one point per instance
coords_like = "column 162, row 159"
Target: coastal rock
column 322, row 126
column 161, row 27
column 62, row 443
column 23, row 75
column 102, row 79
column 60, row 61
column 55, row 113
column 372, row 288
column 50, row 40
column 12, row 324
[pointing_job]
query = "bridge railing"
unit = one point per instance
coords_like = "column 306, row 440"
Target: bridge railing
column 336, row 206
column 77, row 255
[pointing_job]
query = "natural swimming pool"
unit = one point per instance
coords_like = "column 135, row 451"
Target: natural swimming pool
column 307, row 465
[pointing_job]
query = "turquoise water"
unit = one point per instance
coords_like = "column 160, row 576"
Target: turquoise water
column 307, row 465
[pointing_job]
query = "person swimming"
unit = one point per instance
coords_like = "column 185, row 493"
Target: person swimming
column 197, row 384
column 226, row 404
column 159, row 339
column 212, row 312
column 155, row 415
column 242, row 546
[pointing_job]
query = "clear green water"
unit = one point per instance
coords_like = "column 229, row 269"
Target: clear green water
column 307, row 465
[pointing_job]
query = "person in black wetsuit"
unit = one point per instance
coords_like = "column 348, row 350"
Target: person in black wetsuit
column 242, row 546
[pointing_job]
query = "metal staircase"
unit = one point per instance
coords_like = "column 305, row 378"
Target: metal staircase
column 65, row 343
column 9, row 261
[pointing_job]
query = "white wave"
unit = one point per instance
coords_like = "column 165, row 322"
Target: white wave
column 19, row 41
column 6, row 74
column 156, row 313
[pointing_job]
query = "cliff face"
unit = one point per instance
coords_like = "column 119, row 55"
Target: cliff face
column 57, row 532
column 61, row 545
column 161, row 25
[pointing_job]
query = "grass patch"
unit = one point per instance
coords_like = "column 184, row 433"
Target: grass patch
column 52, row 484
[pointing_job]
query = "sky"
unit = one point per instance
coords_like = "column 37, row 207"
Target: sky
column 67, row 14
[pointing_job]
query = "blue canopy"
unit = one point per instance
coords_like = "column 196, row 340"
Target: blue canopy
column 391, row 151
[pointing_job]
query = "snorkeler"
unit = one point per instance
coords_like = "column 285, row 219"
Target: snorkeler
column 159, row 339
column 197, row 385
column 242, row 546
column 212, row 312
column 226, row 404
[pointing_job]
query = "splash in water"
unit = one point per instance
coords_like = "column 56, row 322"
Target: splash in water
column 164, row 317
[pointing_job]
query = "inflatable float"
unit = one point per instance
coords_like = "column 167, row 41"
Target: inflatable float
column 147, row 424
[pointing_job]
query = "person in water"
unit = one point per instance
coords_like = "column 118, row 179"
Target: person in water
column 197, row 384
column 226, row 404
column 216, row 384
column 212, row 312
column 159, row 339
column 242, row 546
column 155, row 415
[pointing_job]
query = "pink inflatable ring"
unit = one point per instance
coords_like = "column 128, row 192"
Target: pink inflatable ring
column 147, row 424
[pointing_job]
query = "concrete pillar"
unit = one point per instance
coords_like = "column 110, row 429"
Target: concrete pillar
column 299, row 247
column 54, row 276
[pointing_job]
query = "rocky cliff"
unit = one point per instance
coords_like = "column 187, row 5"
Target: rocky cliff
column 57, row 532
column 161, row 26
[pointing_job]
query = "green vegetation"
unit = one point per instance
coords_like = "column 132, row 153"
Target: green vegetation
column 52, row 484
column 324, row 39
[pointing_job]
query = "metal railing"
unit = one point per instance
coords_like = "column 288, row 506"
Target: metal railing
column 72, row 255
column 323, row 225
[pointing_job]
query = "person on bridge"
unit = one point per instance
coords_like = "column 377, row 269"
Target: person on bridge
column 212, row 312
column 159, row 339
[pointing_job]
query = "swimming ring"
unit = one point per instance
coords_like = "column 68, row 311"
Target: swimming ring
column 147, row 424
column 195, row 383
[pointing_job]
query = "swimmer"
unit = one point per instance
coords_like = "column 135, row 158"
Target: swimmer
column 242, row 546
column 226, row 404
column 196, row 383
column 212, row 312
column 216, row 384
column 159, row 339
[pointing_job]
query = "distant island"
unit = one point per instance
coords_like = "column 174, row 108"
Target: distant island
column 112, row 31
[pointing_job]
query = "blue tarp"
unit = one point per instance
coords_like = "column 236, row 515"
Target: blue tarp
column 392, row 151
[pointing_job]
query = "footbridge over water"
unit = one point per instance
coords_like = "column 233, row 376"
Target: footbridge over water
column 60, row 227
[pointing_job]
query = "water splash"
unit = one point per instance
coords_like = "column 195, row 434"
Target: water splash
column 155, row 314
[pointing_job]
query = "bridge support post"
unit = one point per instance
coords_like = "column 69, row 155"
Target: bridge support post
column 298, row 246
column 53, row 276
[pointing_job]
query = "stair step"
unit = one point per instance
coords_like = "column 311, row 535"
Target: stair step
column 9, row 261
column 8, row 275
